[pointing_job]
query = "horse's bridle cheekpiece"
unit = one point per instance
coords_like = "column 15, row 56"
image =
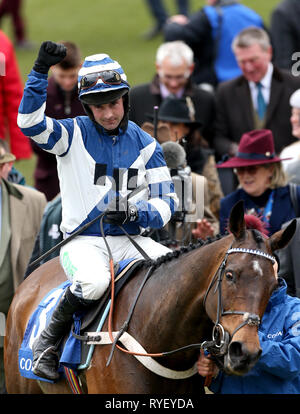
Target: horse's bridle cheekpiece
column 220, row 337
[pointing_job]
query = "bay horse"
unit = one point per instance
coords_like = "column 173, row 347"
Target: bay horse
column 213, row 292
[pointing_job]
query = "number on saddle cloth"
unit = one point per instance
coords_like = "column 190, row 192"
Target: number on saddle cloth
column 72, row 351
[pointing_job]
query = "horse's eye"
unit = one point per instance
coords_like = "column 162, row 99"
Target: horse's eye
column 229, row 276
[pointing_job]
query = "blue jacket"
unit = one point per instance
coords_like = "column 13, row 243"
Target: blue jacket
column 278, row 369
column 226, row 22
column 282, row 210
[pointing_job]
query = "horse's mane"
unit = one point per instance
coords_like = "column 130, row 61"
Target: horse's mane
column 253, row 223
column 183, row 249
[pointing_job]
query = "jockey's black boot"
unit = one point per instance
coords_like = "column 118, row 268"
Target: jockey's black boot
column 45, row 355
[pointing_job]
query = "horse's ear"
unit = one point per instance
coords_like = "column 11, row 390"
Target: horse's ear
column 282, row 237
column 237, row 224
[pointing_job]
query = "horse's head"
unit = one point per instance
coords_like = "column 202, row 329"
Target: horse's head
column 240, row 291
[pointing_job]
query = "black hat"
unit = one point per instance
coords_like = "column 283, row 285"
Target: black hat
column 177, row 110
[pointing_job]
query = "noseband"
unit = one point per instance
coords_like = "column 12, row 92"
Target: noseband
column 220, row 337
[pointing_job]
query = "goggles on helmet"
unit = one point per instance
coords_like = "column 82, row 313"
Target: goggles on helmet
column 110, row 77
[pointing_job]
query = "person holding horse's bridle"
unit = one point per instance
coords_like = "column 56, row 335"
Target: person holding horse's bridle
column 278, row 369
column 102, row 159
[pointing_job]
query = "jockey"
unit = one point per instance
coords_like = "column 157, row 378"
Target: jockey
column 101, row 159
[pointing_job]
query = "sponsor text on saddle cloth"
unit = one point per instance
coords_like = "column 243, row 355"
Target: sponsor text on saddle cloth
column 71, row 353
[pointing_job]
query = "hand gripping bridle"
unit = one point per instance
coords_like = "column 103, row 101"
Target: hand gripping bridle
column 220, row 337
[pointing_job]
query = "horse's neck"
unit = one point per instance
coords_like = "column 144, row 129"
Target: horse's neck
column 172, row 300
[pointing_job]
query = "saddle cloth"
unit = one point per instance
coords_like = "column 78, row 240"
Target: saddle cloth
column 71, row 355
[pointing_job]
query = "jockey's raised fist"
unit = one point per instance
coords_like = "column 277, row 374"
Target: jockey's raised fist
column 50, row 54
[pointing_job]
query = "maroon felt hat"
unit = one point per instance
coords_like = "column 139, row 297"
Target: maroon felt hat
column 255, row 147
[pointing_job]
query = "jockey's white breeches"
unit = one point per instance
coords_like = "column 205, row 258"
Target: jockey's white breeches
column 85, row 261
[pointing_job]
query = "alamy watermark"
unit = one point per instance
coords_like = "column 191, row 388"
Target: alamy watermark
column 2, row 324
column 2, row 64
column 296, row 65
column 190, row 200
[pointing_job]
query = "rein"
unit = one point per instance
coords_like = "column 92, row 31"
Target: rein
column 85, row 226
column 115, row 338
column 126, row 323
column 220, row 338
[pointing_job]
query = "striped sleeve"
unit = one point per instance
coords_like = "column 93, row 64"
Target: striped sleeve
column 51, row 135
column 163, row 201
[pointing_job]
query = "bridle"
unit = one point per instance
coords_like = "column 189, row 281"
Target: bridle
column 220, row 337
column 218, row 346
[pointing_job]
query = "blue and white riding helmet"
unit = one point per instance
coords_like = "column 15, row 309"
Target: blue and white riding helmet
column 102, row 80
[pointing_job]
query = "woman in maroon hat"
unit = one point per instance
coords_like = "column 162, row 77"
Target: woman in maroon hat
column 262, row 182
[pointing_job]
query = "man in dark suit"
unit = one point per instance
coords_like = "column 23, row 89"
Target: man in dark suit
column 257, row 99
column 285, row 32
column 174, row 67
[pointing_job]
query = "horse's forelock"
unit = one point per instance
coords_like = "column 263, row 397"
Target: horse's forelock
column 257, row 237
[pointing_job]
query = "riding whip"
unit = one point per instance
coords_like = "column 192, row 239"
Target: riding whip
column 87, row 225
column 155, row 121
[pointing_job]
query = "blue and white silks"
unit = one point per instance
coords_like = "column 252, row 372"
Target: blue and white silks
column 94, row 167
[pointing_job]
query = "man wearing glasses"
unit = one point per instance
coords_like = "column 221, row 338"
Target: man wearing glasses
column 101, row 158
column 174, row 63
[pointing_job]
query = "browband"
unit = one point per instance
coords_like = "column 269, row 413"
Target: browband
column 252, row 251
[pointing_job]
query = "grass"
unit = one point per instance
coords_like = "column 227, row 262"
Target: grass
column 107, row 26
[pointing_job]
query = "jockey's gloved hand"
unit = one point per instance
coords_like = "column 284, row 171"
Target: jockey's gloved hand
column 50, row 54
column 122, row 217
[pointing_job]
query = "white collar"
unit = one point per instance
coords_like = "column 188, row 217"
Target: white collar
column 165, row 91
column 267, row 79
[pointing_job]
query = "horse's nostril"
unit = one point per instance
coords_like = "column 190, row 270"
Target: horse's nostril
column 259, row 353
column 236, row 350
